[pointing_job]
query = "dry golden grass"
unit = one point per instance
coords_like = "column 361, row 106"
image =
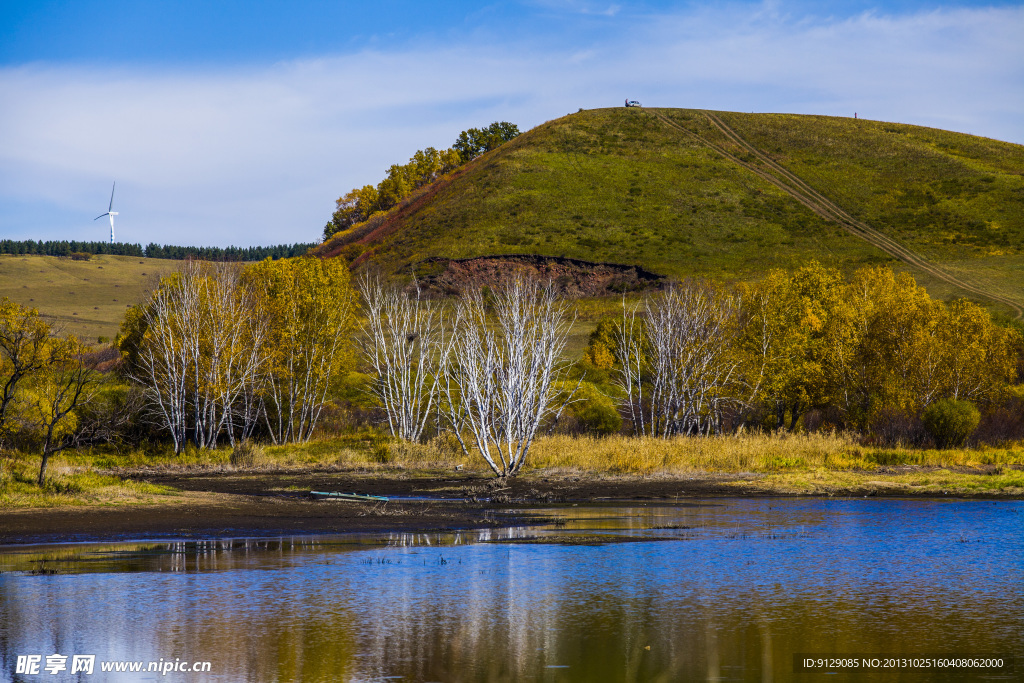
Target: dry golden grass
column 356, row 452
column 934, row 482
column 631, row 455
column 755, row 452
column 743, row 453
column 375, row 454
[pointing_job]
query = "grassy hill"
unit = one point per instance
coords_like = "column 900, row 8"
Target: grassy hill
column 678, row 192
column 728, row 195
column 85, row 298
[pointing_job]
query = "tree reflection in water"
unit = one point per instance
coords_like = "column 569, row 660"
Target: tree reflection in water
column 730, row 590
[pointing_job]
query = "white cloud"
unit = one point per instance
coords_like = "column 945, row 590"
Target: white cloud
column 257, row 155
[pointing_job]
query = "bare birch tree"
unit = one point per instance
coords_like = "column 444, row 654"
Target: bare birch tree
column 162, row 365
column 405, row 343
column 677, row 366
column 202, row 354
column 505, row 368
column 237, row 334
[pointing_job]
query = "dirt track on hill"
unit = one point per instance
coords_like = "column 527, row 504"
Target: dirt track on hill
column 794, row 186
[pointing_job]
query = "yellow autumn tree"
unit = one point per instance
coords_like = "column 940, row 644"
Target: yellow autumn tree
column 798, row 337
column 23, row 351
column 915, row 350
column 311, row 307
column 48, row 403
column 197, row 347
column 601, row 347
column 899, row 354
column 978, row 360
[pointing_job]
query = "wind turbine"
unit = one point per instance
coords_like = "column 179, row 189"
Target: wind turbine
column 110, row 212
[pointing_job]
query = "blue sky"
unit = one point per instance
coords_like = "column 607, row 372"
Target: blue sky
column 241, row 122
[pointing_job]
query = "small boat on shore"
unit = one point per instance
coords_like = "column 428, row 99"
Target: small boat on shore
column 366, row 498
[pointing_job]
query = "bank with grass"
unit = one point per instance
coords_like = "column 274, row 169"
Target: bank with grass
column 561, row 467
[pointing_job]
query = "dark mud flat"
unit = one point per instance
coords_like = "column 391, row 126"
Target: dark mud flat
column 222, row 505
column 233, row 516
column 486, row 489
column 537, row 488
column 273, row 503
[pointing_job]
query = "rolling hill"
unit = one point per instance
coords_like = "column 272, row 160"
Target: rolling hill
column 85, row 298
column 726, row 195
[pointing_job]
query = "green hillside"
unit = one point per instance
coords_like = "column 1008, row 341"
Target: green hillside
column 727, row 195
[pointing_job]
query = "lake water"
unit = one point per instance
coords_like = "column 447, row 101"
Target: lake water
column 717, row 589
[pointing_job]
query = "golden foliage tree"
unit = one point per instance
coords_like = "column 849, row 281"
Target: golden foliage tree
column 423, row 168
column 221, row 349
column 48, row 404
column 310, row 305
column 601, row 347
column 798, row 338
column 873, row 344
column 23, row 351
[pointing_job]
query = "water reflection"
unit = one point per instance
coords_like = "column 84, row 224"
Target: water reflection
column 734, row 591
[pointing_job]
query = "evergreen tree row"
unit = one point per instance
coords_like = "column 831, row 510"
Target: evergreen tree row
column 66, row 248
column 152, row 250
column 275, row 252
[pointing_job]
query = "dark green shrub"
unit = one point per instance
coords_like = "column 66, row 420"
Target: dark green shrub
column 60, row 485
column 950, row 422
column 593, row 411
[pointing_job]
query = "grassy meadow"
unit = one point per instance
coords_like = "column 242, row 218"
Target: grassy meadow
column 956, row 199
column 84, row 298
column 945, row 194
column 70, row 482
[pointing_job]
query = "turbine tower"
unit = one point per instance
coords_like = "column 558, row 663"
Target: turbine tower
column 110, row 212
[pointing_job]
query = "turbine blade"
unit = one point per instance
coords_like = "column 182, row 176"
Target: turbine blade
column 111, row 207
column 100, row 216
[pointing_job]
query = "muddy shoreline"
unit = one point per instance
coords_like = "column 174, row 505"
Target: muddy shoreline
column 231, row 504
